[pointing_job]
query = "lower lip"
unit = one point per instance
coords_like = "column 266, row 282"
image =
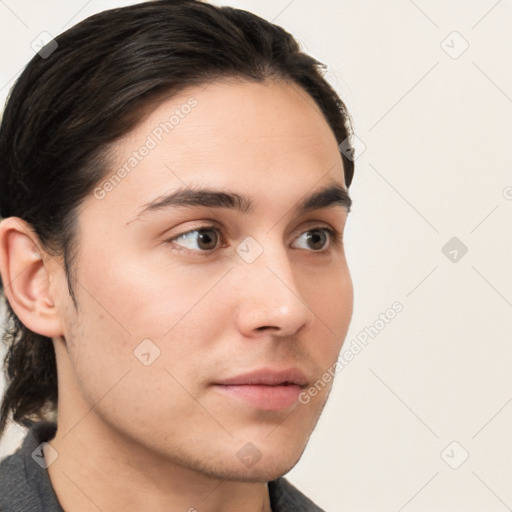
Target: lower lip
column 268, row 398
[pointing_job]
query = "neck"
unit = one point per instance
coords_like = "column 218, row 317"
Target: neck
column 97, row 470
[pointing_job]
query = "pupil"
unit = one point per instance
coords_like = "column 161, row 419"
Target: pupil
column 316, row 236
column 205, row 238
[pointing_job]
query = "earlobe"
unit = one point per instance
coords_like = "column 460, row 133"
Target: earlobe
column 25, row 277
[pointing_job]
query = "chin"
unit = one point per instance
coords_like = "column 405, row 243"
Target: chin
column 269, row 467
column 260, row 473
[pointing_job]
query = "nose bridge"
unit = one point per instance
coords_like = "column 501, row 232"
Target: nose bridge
column 270, row 296
column 267, row 265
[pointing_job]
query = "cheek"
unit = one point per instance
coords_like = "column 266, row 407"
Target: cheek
column 149, row 312
column 151, row 297
column 331, row 298
column 114, row 374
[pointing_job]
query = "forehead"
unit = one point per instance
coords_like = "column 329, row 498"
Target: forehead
column 248, row 136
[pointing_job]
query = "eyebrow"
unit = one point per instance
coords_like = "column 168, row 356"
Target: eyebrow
column 329, row 196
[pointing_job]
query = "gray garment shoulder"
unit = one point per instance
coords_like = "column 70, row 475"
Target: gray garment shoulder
column 284, row 497
column 24, row 485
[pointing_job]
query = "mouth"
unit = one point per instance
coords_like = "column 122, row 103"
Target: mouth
column 265, row 389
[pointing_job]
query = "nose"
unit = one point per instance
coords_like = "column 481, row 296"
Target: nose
column 269, row 296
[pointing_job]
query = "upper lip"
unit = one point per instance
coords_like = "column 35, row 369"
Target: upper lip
column 267, row 377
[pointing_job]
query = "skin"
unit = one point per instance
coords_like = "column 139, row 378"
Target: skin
column 160, row 437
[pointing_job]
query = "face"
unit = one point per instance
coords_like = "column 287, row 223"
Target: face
column 201, row 319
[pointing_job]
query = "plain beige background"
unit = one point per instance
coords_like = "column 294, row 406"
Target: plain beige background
column 420, row 418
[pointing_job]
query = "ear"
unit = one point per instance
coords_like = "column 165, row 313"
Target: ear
column 24, row 268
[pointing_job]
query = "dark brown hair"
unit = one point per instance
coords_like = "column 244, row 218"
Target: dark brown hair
column 76, row 97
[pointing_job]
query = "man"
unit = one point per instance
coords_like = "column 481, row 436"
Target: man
column 174, row 200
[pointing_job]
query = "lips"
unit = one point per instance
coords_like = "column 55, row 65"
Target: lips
column 265, row 388
column 267, row 377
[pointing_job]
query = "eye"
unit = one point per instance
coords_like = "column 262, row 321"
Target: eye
column 203, row 239
column 316, row 239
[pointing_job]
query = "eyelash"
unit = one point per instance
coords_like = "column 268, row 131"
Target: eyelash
column 335, row 238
